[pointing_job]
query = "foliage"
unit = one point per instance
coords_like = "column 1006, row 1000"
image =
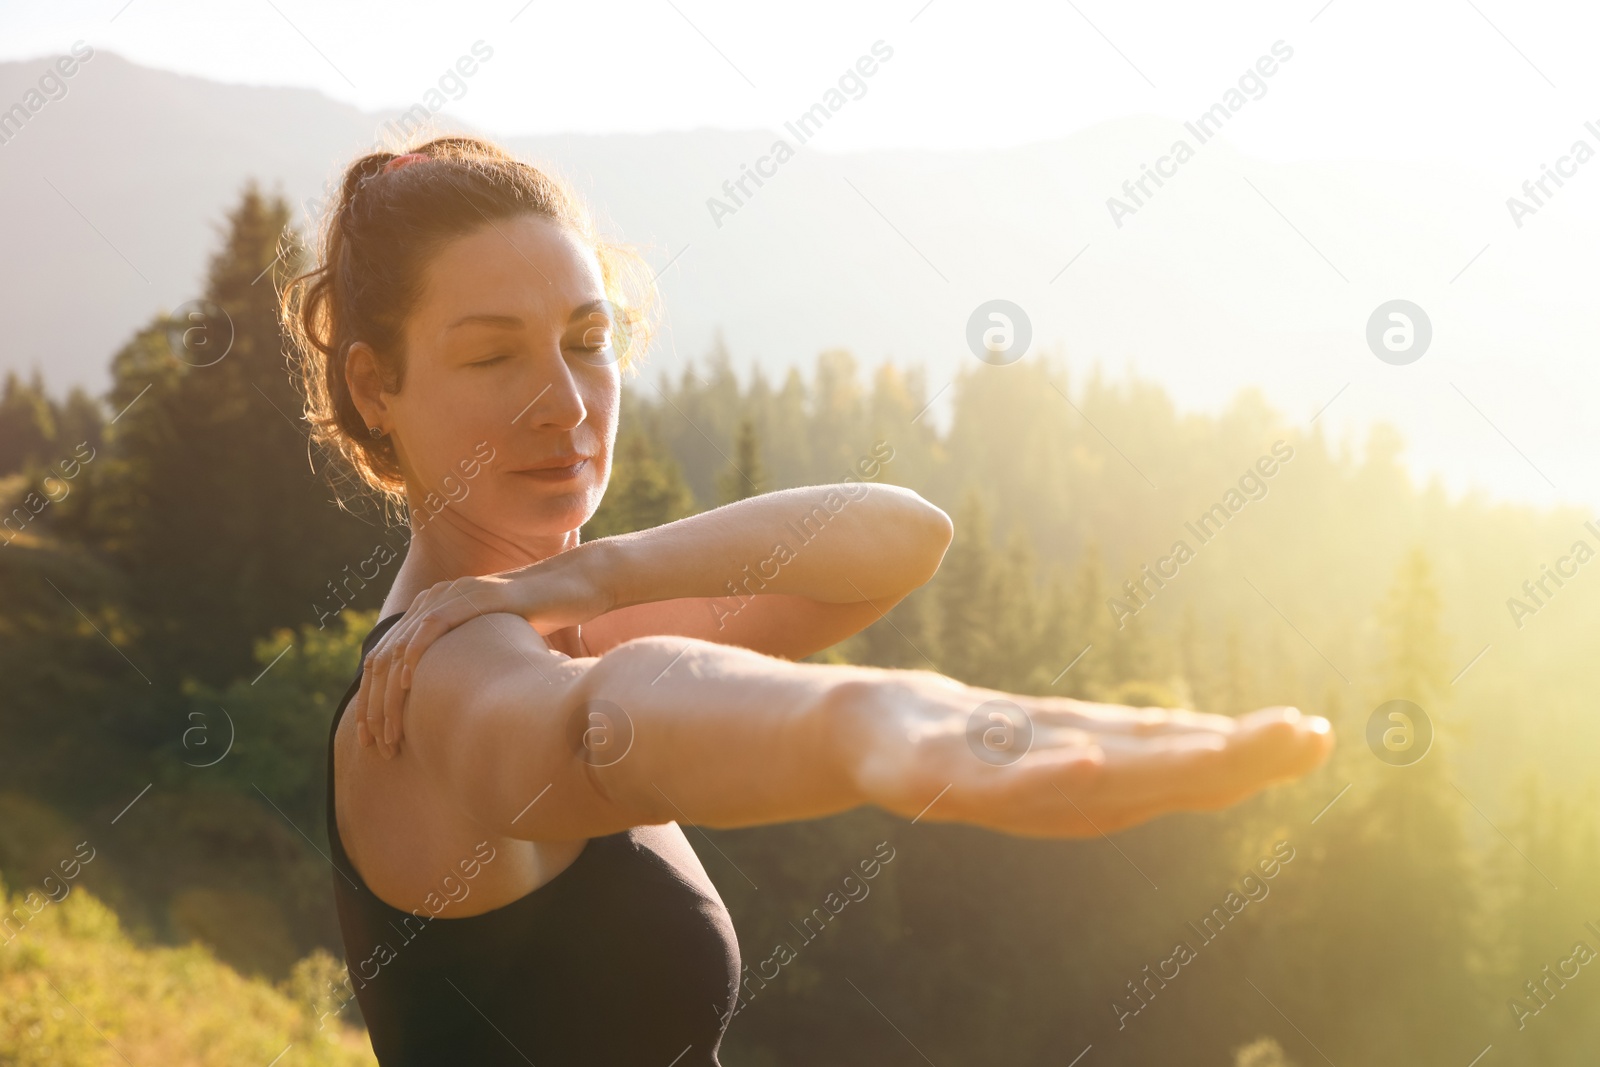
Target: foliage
column 75, row 989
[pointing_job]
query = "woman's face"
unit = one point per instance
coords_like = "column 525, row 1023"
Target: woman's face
column 508, row 410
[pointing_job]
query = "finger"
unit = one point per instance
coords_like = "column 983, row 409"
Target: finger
column 1117, row 719
column 1164, row 773
column 431, row 626
column 399, row 640
column 1060, row 794
column 393, row 702
column 1265, row 750
column 363, row 735
column 1140, row 772
column 389, row 698
column 358, row 704
column 453, row 606
column 1295, row 746
column 380, row 679
column 1073, row 790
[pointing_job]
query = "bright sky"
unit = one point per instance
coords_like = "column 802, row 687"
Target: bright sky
column 1488, row 83
column 1487, row 88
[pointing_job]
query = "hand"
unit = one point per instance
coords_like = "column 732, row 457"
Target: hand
column 1054, row 767
column 552, row 594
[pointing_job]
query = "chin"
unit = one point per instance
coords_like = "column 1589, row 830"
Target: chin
column 550, row 515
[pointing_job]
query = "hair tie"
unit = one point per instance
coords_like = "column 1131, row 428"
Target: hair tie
column 403, row 161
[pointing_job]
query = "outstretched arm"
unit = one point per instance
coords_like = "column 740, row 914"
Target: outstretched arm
column 537, row 746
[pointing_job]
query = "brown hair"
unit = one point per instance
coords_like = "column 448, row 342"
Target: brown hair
column 372, row 246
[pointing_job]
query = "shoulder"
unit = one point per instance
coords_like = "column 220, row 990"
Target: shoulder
column 486, row 723
column 471, row 660
column 469, row 680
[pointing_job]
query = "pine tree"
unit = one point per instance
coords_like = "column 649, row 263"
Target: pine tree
column 1192, row 664
column 838, row 418
column 964, row 586
column 1237, row 689
column 78, row 420
column 27, row 424
column 790, row 424
column 1399, row 912
column 1089, row 631
column 1014, row 614
column 210, row 503
column 745, row 475
column 646, row 488
column 1052, row 643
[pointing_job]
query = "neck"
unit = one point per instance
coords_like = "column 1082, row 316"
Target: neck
column 447, row 546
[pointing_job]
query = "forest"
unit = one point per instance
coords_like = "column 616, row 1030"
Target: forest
column 184, row 586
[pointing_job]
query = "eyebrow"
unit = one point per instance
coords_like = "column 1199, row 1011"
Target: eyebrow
column 512, row 322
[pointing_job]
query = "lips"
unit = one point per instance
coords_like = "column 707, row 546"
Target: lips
column 557, row 469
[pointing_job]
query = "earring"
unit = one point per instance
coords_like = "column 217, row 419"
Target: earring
column 377, row 431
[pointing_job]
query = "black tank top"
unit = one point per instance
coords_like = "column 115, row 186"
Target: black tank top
column 628, row 956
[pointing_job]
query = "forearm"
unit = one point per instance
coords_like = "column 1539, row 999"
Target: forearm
column 833, row 543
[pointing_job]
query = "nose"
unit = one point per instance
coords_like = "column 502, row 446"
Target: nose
column 554, row 401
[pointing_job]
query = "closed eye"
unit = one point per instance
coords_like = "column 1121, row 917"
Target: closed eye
column 490, row 361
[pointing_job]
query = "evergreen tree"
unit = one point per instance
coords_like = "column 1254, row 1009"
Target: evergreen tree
column 27, row 424
column 1238, row 686
column 1402, row 929
column 1053, row 647
column 1130, row 653
column 907, row 637
column 965, row 588
column 745, row 476
column 1192, row 664
column 646, row 488
column 78, row 419
column 790, row 424
column 1015, row 612
column 896, row 416
column 211, row 505
column 698, row 418
column 1536, row 925
column 838, row 418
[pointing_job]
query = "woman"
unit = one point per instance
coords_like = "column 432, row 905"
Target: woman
column 514, row 882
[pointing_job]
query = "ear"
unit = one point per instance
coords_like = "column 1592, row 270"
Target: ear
column 365, row 382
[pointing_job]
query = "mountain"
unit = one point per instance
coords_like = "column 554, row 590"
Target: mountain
column 1234, row 272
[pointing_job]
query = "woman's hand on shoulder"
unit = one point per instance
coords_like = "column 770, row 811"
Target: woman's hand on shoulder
column 555, row 593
